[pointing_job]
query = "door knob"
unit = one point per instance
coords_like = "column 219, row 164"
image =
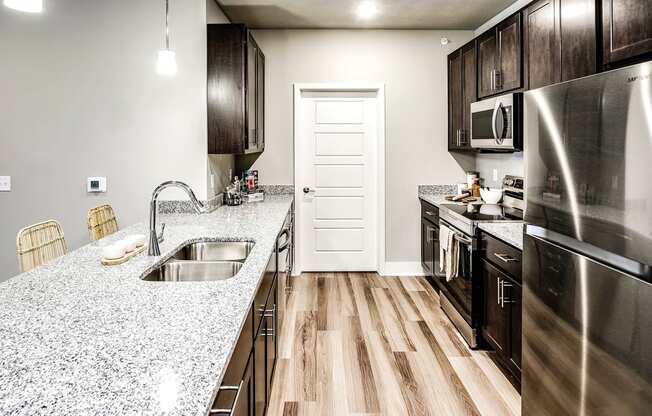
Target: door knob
column 307, row 190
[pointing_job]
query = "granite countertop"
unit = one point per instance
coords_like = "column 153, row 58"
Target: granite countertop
column 78, row 338
column 511, row 233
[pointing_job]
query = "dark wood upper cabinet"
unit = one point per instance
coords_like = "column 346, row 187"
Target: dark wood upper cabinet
column 626, row 30
column 541, row 44
column 462, row 91
column 500, row 58
column 260, row 100
column 486, row 63
column 509, row 66
column 559, row 41
column 579, row 38
column 454, row 99
column 469, row 89
column 236, row 90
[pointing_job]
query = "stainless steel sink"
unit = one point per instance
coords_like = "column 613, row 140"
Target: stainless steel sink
column 194, row 271
column 216, row 251
column 203, row 262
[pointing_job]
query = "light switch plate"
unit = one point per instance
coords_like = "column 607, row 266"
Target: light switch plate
column 96, row 184
column 5, row 183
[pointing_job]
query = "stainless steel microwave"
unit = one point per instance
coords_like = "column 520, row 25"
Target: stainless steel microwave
column 496, row 123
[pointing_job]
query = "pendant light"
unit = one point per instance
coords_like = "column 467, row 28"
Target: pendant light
column 166, row 64
column 29, row 6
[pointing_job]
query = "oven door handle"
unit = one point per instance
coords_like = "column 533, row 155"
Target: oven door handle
column 463, row 239
column 286, row 233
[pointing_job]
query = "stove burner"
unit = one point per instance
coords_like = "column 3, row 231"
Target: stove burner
column 485, row 212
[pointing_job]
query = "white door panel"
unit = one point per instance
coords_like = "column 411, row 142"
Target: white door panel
column 339, row 176
column 337, row 140
column 339, row 208
column 329, row 111
column 339, row 240
column 339, row 144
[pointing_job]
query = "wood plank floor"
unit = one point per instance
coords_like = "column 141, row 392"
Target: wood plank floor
column 361, row 344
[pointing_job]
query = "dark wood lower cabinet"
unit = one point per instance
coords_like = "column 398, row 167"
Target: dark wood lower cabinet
column 514, row 296
column 271, row 338
column 496, row 318
column 427, row 246
column 246, row 387
column 259, row 372
column 502, row 319
column 236, row 391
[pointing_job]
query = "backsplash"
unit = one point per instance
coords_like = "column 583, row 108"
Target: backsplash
column 504, row 163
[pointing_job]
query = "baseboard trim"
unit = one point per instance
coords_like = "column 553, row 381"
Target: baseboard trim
column 402, row 268
column 390, row 268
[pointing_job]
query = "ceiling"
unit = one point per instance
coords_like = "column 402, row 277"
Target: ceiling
column 341, row 14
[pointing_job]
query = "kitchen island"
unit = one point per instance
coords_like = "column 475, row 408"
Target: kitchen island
column 79, row 338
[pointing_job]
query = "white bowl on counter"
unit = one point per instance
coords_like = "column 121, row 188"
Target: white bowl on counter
column 491, row 195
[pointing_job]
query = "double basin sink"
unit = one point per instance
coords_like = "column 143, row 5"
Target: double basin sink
column 203, row 262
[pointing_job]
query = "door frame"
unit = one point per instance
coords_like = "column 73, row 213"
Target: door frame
column 379, row 89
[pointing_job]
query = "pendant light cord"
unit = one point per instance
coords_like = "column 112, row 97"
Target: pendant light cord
column 167, row 27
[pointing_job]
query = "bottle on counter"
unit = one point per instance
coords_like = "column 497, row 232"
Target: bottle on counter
column 475, row 188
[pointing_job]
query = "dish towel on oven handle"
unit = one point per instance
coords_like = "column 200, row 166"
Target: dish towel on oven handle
column 452, row 257
column 448, row 252
column 444, row 232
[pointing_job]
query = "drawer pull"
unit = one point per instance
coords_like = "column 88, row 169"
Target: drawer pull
column 235, row 402
column 430, row 213
column 505, row 258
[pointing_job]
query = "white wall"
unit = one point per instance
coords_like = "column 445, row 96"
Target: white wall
column 412, row 65
column 79, row 96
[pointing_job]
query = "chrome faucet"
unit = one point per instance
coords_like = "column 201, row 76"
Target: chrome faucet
column 154, row 238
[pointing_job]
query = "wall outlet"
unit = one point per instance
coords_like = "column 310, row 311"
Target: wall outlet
column 5, row 183
column 495, row 174
column 96, row 184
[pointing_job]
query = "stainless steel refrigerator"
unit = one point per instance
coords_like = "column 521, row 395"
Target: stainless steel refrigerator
column 587, row 300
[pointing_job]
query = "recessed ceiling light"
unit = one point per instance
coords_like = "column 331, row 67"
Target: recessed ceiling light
column 367, row 10
column 29, row 6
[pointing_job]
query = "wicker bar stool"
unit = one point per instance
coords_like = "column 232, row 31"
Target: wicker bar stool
column 40, row 243
column 101, row 222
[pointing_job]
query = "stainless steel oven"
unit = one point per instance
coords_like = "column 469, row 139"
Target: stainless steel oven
column 496, row 123
column 458, row 298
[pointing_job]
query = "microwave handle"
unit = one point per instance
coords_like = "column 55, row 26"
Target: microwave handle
column 493, row 120
column 499, row 131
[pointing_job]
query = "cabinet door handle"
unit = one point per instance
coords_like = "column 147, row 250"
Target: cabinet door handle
column 498, row 82
column 493, row 80
column 498, row 286
column 506, row 258
column 503, row 300
column 230, row 411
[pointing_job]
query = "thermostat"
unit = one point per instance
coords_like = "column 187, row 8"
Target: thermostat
column 96, row 184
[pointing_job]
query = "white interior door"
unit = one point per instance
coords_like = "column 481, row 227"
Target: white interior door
column 336, row 179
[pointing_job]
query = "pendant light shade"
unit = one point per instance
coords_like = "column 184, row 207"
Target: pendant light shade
column 29, row 6
column 166, row 64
